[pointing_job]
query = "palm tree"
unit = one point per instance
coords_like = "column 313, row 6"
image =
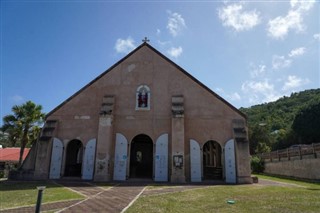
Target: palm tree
column 23, row 124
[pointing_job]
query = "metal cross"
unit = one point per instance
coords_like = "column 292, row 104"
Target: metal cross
column 145, row 40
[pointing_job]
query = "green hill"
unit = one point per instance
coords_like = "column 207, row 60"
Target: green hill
column 276, row 118
column 281, row 113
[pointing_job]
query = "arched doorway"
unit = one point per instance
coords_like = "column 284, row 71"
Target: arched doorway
column 212, row 167
column 141, row 157
column 74, row 159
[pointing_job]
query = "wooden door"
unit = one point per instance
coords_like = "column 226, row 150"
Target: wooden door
column 161, row 158
column 120, row 158
column 195, row 161
column 56, row 159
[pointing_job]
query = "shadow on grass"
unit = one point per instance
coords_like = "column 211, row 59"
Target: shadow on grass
column 313, row 189
column 9, row 185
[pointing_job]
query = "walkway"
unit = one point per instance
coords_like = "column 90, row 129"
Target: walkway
column 115, row 198
column 98, row 199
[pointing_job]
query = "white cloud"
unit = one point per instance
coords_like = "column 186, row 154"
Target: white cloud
column 294, row 82
column 280, row 26
column 175, row 51
column 302, row 5
column 279, row 62
column 297, row 52
column 231, row 97
column 259, row 91
column 124, row 45
column 218, row 89
column 234, row 16
column 158, row 32
column 175, row 23
column 317, row 36
column 17, row 98
column 256, row 86
column 235, row 97
column 257, row 71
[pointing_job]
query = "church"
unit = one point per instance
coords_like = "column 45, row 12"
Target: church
column 143, row 118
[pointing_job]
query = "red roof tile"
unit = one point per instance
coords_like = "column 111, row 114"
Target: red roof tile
column 12, row 154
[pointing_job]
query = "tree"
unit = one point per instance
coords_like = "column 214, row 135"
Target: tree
column 23, row 125
column 260, row 138
column 307, row 124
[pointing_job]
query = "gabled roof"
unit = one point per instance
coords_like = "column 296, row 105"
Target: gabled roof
column 12, row 154
column 165, row 58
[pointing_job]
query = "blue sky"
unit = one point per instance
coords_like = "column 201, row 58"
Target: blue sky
column 248, row 52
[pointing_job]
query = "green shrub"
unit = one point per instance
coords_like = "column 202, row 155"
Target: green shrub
column 257, row 165
column 1, row 174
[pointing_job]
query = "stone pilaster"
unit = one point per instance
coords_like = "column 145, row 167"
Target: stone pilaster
column 240, row 133
column 42, row 161
column 104, row 142
column 177, row 141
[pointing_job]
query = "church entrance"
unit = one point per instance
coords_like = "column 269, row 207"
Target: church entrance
column 212, row 167
column 74, row 159
column 141, row 157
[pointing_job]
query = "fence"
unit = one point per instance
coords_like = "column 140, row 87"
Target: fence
column 294, row 152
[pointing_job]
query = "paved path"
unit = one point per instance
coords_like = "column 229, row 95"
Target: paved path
column 97, row 199
column 115, row 198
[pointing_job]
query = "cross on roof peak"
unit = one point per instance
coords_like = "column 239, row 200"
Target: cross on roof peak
column 145, row 40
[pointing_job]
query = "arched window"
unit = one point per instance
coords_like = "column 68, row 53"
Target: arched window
column 143, row 96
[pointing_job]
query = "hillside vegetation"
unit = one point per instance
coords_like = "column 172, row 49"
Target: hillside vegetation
column 287, row 121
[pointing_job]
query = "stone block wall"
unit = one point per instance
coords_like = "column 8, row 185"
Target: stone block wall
column 305, row 168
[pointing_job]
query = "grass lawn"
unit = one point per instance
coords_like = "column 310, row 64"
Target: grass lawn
column 14, row 194
column 248, row 198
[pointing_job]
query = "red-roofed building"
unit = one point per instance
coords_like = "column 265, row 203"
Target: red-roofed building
column 12, row 154
column 10, row 157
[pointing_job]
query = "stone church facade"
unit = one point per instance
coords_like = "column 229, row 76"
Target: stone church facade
column 146, row 118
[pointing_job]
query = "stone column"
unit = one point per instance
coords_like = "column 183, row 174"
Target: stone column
column 240, row 132
column 44, row 150
column 104, row 141
column 42, row 163
column 177, row 141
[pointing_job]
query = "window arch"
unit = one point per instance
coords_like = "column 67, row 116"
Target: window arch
column 143, row 97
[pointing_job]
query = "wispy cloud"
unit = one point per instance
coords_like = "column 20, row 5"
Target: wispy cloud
column 175, row 52
column 230, row 97
column 234, row 16
column 257, row 71
column 235, row 96
column 17, row 99
column 158, row 32
column 297, row 52
column 294, row 82
column 317, row 36
column 124, row 45
column 302, row 4
column 279, row 62
column 259, row 91
column 280, row 26
column 175, row 24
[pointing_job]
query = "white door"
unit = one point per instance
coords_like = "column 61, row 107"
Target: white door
column 195, row 161
column 88, row 160
column 120, row 158
column 56, row 159
column 230, row 162
column 161, row 159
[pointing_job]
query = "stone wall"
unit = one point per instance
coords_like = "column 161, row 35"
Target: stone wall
column 306, row 168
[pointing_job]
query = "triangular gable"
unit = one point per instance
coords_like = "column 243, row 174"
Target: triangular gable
column 166, row 59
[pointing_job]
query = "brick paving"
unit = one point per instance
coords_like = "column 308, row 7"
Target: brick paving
column 98, row 199
column 44, row 207
column 112, row 199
